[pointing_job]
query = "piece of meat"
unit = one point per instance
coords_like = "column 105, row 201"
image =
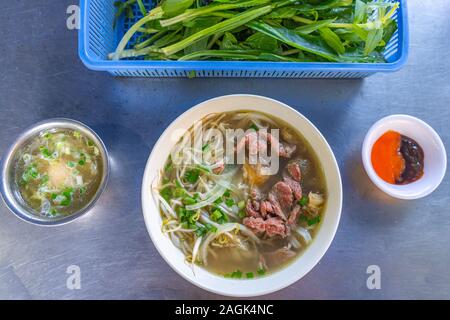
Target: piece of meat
column 295, row 187
column 293, row 216
column 275, row 226
column 251, row 210
column 266, row 208
column 278, row 256
column 257, row 225
column 276, row 206
column 219, row 169
column 271, row 227
column 293, row 167
column 258, row 142
column 255, row 194
column 283, row 193
column 287, row 150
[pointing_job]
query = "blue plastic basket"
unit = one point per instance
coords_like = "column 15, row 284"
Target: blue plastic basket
column 97, row 38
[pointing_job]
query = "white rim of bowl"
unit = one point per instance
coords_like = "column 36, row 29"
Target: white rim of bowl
column 296, row 277
column 381, row 184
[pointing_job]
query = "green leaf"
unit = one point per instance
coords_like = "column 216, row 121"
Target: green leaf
column 262, row 42
column 293, row 39
column 332, row 39
column 192, row 175
column 360, row 11
column 373, row 39
column 229, row 41
column 174, row 7
column 309, row 28
column 223, row 26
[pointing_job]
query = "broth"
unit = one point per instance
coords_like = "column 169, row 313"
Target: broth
column 232, row 219
column 58, row 172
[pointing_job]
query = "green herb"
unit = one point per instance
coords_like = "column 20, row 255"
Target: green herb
column 229, row 202
column 219, row 217
column 313, row 221
column 254, row 127
column 258, row 30
column 187, row 217
column 303, row 201
column 205, row 147
column 30, row 173
column 227, row 193
column 192, row 175
column 242, row 214
column 71, row 164
column 236, row 274
column 189, row 201
column 67, row 197
column 249, row 275
column 192, row 74
column 202, row 231
column 241, row 204
column 166, row 193
column 261, row 271
column 82, row 190
column 45, row 152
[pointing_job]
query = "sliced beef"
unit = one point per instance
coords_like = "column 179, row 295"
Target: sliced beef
column 295, row 187
column 266, row 208
column 293, row 216
column 276, row 226
column 283, row 193
column 258, row 142
column 293, row 168
column 253, row 208
column 257, row 225
column 276, row 206
column 271, row 226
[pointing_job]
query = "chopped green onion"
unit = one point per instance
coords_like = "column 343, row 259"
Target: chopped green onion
column 249, row 275
column 261, row 271
column 241, row 204
column 192, row 175
column 303, row 201
column 313, row 221
column 45, row 152
column 71, row 164
column 166, row 193
column 254, row 127
column 229, row 202
column 236, row 274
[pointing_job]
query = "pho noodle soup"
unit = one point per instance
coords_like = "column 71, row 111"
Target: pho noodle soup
column 236, row 219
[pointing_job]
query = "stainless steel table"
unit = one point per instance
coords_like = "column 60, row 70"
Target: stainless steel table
column 41, row 77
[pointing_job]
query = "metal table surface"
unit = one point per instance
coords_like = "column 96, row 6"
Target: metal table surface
column 42, row 77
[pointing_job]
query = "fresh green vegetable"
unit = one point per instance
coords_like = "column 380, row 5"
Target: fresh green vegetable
column 303, row 201
column 261, row 271
column 258, row 30
column 192, row 175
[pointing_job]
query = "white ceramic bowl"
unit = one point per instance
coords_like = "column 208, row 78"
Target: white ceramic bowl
column 435, row 161
column 277, row 280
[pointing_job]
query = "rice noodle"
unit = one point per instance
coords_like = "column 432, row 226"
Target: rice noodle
column 304, row 234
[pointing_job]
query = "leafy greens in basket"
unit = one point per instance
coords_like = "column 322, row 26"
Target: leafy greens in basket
column 258, row 30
